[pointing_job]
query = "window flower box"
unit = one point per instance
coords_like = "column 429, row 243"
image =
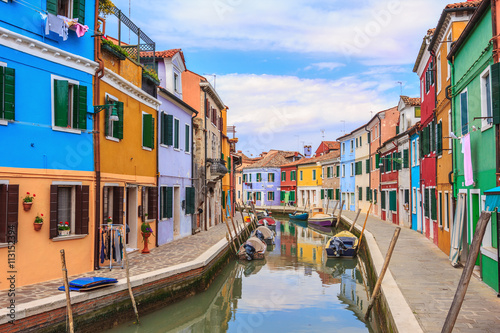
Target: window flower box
column 151, row 76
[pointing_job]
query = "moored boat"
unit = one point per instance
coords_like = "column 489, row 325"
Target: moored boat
column 264, row 234
column 268, row 222
column 320, row 218
column 252, row 249
column 344, row 244
column 299, row 216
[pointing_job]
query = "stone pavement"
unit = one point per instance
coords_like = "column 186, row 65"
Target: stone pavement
column 428, row 281
column 176, row 252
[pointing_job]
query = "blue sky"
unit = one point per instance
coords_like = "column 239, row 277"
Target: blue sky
column 289, row 69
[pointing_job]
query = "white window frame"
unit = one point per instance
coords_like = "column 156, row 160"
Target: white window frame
column 142, row 132
column 352, row 145
column 301, row 174
column 53, row 78
column 313, row 174
column 176, row 133
column 448, row 47
column 440, row 209
column 343, row 170
column 189, row 139
column 268, row 193
column 438, row 78
column 484, row 112
column 446, row 209
column 73, row 207
column 352, row 169
column 110, row 123
column 414, row 201
column 413, row 152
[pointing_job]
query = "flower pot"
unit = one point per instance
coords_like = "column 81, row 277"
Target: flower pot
column 27, row 206
column 37, row 226
column 145, row 236
column 63, row 232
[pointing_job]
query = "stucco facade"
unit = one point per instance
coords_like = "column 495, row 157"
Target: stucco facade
column 362, row 168
column 347, row 171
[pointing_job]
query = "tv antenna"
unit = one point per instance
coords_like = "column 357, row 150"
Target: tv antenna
column 215, row 77
column 323, row 133
column 400, row 87
column 343, row 121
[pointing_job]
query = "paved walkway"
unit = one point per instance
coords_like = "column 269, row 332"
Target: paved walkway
column 428, row 281
column 170, row 254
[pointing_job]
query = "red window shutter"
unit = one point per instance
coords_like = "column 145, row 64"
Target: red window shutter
column 12, row 212
column 53, row 211
column 3, row 213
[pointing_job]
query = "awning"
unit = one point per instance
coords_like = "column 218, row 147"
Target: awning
column 492, row 199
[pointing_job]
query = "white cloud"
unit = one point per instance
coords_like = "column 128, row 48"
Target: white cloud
column 324, row 65
column 379, row 32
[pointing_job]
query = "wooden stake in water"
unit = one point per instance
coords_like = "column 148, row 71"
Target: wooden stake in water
column 353, row 223
column 127, row 271
column 66, row 289
column 364, row 224
column 340, row 213
column 451, row 318
column 382, row 273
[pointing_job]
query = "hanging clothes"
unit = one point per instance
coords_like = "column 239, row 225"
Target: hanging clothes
column 469, row 179
column 56, row 25
column 116, row 249
column 80, row 29
column 103, row 247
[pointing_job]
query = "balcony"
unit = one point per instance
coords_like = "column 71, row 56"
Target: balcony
column 217, row 168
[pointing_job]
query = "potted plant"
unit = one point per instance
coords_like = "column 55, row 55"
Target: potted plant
column 38, row 222
column 146, row 233
column 114, row 49
column 150, row 74
column 109, row 220
column 28, row 201
column 63, row 228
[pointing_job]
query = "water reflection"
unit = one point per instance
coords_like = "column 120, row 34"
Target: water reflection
column 294, row 289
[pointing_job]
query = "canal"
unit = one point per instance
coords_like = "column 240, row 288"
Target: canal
column 294, row 289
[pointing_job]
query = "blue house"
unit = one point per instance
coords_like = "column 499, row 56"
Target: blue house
column 175, row 152
column 46, row 75
column 347, row 171
column 416, row 198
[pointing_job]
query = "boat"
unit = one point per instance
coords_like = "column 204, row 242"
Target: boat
column 344, row 244
column 299, row 216
column 252, row 249
column 268, row 222
column 320, row 218
column 264, row 234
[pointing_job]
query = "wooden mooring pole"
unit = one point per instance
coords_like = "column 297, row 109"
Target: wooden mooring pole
column 340, row 214
column 364, row 224
column 66, row 289
column 353, row 223
column 382, row 273
column 129, row 286
column 463, row 284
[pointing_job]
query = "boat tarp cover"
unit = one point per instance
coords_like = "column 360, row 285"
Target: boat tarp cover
column 346, row 233
column 266, row 232
column 258, row 245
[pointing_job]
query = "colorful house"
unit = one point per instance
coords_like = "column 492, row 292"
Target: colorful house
column 452, row 22
column 327, row 146
column 347, row 179
column 475, row 91
column 424, row 67
column 127, row 144
column 309, row 183
column 331, row 178
column 289, row 183
column 409, row 115
column 362, row 168
column 209, row 164
column 261, row 180
column 48, row 141
column 245, row 160
column 416, row 196
column 390, row 164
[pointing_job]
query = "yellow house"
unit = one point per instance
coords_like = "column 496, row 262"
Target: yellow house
column 309, row 181
column 226, row 156
column 127, row 147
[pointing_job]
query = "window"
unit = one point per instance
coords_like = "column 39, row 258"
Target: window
column 438, row 78
column 270, row 196
column 259, row 177
column 244, row 178
column 167, row 202
column 446, row 214
column 9, row 207
column 7, row 93
column 239, row 194
column 167, row 129
column 418, row 110
column 405, row 159
column 70, row 105
column 439, row 138
column 113, row 129
column 70, row 203
column 360, row 141
column 338, row 171
column 270, row 177
column 360, row 193
column 356, row 142
column 448, row 47
column 176, row 82
column 414, row 201
column 239, row 180
column 433, row 204
column 440, row 209
column 464, row 115
column 343, row 170
column 343, row 147
column 301, row 175
column 68, row 8
column 367, row 165
column 486, row 103
column 250, row 177
column 190, row 200
column 352, row 169
column 149, row 203
column 257, row 196
column 148, row 132
column 176, row 133
column 283, row 176
column 352, row 146
column 293, row 175
column 449, row 131
column 314, row 175
column 413, row 153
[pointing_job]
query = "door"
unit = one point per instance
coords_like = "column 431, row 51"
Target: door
column 419, row 211
column 177, row 211
column 131, row 215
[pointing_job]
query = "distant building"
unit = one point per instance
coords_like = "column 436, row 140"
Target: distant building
column 326, row 146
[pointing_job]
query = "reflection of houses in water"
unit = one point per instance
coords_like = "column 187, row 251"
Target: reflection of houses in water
column 352, row 291
column 288, row 240
column 310, row 245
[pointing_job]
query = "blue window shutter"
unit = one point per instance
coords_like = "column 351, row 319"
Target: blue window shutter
column 463, row 113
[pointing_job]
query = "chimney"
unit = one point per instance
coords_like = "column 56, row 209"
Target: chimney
column 307, row 151
column 239, row 151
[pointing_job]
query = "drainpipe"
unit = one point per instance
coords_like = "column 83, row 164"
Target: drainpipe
column 205, row 163
column 193, row 216
column 158, row 117
column 96, row 133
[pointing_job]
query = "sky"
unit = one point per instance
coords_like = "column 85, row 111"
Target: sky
column 295, row 72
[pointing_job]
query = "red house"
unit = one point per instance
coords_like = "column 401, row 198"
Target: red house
column 289, row 182
column 425, row 68
column 390, row 164
column 326, row 146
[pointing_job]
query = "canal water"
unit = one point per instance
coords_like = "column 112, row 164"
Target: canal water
column 294, row 289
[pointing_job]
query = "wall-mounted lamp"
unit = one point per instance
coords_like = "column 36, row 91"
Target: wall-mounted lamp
column 111, row 109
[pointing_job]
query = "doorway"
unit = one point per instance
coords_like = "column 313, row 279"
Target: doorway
column 131, row 214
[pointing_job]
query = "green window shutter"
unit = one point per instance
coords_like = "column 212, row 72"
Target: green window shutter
column 394, row 161
column 176, row 133
column 495, row 92
column 367, row 193
column 223, row 200
column 190, row 198
column 392, row 201
column 229, row 163
column 338, row 171
column 388, row 159
column 80, row 107
column 170, row 130
column 258, row 196
column 61, row 103
column 368, row 166
column 187, row 143
column 292, row 195
column 426, row 203
column 433, row 205
column 244, row 178
column 169, row 202
column 439, row 139
column 79, row 10
column 7, row 93
column 337, row 194
column 250, row 178
column 377, row 161
column 375, row 194
column 322, row 193
column 406, row 158
column 360, row 193
column 146, row 130
column 163, row 131
column 118, row 125
column 282, row 196
column 283, row 175
column 382, row 200
column 52, row 6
